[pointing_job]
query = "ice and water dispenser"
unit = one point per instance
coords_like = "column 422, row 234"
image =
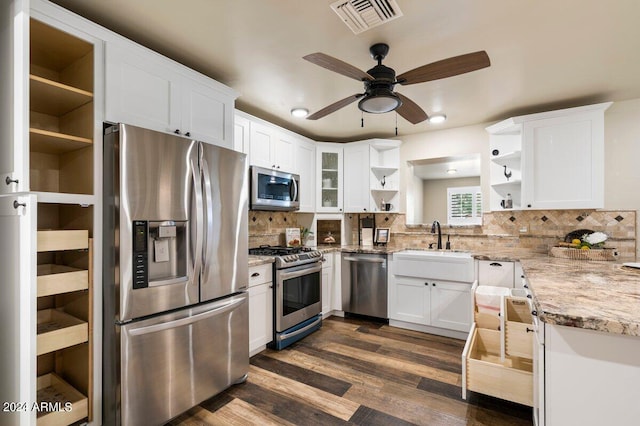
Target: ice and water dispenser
column 159, row 253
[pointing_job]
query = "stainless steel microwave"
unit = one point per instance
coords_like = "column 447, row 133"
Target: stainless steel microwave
column 273, row 189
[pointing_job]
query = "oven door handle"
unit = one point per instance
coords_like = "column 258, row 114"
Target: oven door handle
column 283, row 275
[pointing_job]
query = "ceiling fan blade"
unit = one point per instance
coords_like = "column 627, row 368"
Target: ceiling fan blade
column 446, row 68
column 336, row 65
column 334, row 107
column 410, row 111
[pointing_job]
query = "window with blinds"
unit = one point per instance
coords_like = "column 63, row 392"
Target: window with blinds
column 464, row 205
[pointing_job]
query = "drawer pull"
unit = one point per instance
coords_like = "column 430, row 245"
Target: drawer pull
column 495, row 264
column 9, row 181
column 16, row 204
column 534, row 313
column 526, row 286
column 255, row 274
column 529, row 296
column 529, row 330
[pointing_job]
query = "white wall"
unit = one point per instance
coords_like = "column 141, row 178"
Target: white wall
column 435, row 196
column 441, row 143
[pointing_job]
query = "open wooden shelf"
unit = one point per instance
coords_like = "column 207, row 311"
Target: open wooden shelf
column 55, row 143
column 57, row 330
column 56, row 279
column 51, row 388
column 53, row 98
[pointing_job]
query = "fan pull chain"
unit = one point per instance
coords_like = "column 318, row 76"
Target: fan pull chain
column 362, row 119
column 396, row 124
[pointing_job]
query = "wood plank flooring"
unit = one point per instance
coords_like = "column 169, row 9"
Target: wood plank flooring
column 354, row 371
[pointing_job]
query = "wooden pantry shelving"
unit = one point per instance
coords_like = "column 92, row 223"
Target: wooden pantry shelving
column 51, row 388
column 61, row 120
column 64, row 343
column 57, row 330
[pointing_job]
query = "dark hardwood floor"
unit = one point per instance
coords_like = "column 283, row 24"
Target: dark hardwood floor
column 356, row 372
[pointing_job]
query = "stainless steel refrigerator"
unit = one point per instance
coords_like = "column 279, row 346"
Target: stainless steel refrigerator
column 175, row 274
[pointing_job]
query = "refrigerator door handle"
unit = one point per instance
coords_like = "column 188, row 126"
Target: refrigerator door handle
column 219, row 310
column 207, row 195
column 199, row 225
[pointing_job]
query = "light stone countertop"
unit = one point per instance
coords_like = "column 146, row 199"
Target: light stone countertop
column 602, row 296
column 594, row 295
column 259, row 260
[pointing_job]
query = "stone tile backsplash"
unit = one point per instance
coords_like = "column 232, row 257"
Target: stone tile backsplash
column 536, row 230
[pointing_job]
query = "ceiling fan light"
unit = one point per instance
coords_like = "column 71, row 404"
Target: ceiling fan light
column 299, row 112
column 379, row 103
column 437, row 119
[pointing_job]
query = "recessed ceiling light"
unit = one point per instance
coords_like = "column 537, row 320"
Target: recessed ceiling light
column 452, row 171
column 299, row 112
column 437, row 119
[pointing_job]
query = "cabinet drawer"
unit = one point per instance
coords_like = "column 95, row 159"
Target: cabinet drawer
column 518, row 327
column 57, row 330
column 62, row 240
column 260, row 274
column 495, row 273
column 511, row 379
column 51, row 388
column 55, row 279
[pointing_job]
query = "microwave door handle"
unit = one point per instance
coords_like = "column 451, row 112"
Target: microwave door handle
column 199, row 222
column 208, row 198
column 295, row 189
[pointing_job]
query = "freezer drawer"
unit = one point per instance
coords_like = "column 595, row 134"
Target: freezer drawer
column 173, row 362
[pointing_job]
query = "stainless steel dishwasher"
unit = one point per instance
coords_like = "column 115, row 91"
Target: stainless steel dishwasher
column 364, row 284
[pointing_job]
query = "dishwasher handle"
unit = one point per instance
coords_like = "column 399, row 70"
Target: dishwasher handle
column 364, row 260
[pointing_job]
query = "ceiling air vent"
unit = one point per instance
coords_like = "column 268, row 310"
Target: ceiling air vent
column 360, row 15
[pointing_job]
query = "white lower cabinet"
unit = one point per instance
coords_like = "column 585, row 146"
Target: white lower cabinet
column 590, row 377
column 450, row 305
column 260, row 308
column 327, row 283
column 430, row 302
column 410, row 300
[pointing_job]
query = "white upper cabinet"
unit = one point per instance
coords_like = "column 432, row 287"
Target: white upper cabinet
column 241, row 136
column 371, row 176
column 564, row 162
column 207, row 113
column 550, row 160
column 148, row 90
column 356, row 177
column 270, row 147
column 305, row 166
column 329, row 177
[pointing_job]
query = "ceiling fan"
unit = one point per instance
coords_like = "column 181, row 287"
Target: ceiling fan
column 380, row 80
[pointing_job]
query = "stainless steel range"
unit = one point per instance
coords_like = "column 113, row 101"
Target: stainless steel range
column 297, row 292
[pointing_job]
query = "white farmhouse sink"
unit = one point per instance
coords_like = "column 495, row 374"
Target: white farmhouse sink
column 440, row 265
column 433, row 254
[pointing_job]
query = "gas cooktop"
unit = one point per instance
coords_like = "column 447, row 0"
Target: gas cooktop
column 287, row 257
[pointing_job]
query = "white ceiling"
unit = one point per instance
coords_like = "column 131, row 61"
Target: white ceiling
column 545, row 54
